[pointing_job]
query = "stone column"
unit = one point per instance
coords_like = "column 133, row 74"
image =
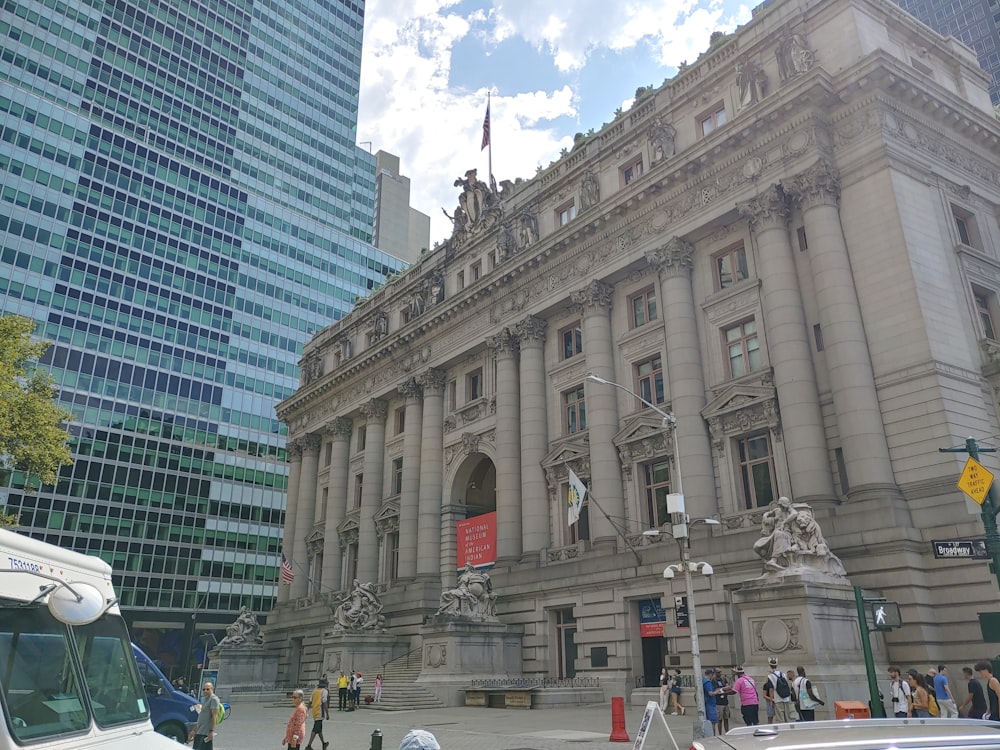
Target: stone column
column 594, row 302
column 508, row 499
column 686, row 377
column 374, row 412
column 409, row 497
column 848, row 360
column 431, row 481
column 534, row 435
column 294, row 450
column 304, row 513
column 340, row 429
column 788, row 347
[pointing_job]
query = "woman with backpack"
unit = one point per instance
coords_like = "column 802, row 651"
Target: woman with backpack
column 918, row 695
column 675, row 694
column 807, row 699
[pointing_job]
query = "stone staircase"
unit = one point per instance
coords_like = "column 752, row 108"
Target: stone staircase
column 400, row 691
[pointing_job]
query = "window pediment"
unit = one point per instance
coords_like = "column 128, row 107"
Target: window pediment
column 569, row 453
column 741, row 408
column 643, row 437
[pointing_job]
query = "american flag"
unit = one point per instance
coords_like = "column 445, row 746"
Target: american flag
column 486, row 128
column 287, row 574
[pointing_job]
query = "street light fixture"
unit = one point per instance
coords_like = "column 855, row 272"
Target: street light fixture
column 681, row 533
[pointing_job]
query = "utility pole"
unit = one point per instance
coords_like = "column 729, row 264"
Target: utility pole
column 989, row 503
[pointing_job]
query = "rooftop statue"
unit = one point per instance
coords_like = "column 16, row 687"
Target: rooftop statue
column 791, row 542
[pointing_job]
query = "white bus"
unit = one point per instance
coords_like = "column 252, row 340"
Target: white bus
column 68, row 678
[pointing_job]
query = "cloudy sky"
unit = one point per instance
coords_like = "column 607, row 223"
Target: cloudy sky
column 553, row 67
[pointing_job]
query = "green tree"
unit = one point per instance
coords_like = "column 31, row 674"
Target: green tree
column 33, row 439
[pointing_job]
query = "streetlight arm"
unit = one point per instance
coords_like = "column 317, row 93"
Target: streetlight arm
column 667, row 416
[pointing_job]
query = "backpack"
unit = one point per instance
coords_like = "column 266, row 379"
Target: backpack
column 220, row 713
column 932, row 705
column 781, row 686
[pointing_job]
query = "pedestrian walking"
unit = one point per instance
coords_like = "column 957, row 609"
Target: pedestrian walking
column 295, row 730
column 351, row 694
column 378, row 688
column 985, row 670
column 746, row 689
column 778, row 694
column 976, row 699
column 203, row 734
column 675, row 694
column 808, row 700
column 943, row 695
column 919, row 697
column 319, row 712
column 899, row 694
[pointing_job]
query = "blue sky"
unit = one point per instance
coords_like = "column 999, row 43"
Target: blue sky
column 553, row 68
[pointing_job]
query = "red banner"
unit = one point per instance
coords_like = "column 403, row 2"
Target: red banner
column 477, row 540
column 651, row 629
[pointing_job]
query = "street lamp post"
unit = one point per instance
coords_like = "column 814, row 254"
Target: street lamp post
column 681, row 534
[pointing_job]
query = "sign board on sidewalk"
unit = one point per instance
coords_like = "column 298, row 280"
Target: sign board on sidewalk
column 976, row 480
column 961, row 549
column 652, row 710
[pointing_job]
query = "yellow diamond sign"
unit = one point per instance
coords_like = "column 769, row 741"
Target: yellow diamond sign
column 976, row 480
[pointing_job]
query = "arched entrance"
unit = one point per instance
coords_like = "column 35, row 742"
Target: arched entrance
column 473, row 493
column 475, row 485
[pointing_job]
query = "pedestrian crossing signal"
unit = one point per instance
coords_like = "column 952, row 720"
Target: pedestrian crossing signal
column 885, row 615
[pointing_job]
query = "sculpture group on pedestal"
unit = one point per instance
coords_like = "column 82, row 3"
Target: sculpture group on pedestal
column 472, row 599
column 245, row 631
column 792, row 542
column 360, row 609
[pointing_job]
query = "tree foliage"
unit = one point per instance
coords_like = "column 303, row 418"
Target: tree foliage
column 33, row 439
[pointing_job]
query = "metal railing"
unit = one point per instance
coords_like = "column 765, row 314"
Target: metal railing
column 409, row 657
column 541, row 682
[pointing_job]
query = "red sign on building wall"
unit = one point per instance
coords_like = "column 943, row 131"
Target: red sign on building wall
column 477, row 540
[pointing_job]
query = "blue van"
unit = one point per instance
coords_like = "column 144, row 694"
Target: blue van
column 171, row 711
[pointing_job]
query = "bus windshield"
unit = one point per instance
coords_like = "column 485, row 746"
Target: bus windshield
column 55, row 679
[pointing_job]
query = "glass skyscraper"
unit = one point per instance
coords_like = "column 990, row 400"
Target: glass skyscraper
column 975, row 23
column 183, row 204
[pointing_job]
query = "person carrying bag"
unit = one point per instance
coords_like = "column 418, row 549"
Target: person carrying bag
column 808, row 700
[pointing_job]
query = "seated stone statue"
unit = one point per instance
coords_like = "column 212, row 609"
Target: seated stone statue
column 791, row 541
column 245, row 631
column 472, row 599
column 360, row 609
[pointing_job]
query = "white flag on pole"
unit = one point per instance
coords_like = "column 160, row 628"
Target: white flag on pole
column 577, row 489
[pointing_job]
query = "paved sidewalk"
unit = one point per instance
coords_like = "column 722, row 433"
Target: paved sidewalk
column 254, row 726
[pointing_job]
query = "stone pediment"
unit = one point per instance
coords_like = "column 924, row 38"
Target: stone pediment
column 387, row 517
column 741, row 408
column 572, row 452
column 643, row 437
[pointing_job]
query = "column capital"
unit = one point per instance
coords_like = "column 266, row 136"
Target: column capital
column 505, row 343
column 817, row 186
column 767, row 210
column 310, row 442
column 375, row 410
column 596, row 296
column 531, row 330
column 433, row 381
column 676, row 258
column 410, row 389
column 294, row 450
column 340, row 428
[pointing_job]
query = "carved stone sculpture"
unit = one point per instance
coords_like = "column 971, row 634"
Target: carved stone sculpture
column 590, row 191
column 245, row 631
column 752, row 82
column 662, row 139
column 359, row 610
column 793, row 56
column 791, row 542
column 473, row 599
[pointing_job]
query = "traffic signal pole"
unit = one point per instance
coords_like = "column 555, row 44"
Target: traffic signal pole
column 989, row 506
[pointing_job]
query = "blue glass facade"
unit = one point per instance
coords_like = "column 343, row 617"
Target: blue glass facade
column 975, row 23
column 183, row 204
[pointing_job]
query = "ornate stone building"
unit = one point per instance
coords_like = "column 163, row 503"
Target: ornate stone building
column 793, row 247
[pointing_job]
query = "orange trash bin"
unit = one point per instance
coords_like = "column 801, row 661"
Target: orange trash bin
column 851, row 710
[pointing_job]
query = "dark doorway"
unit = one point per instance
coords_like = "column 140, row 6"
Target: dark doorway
column 653, row 660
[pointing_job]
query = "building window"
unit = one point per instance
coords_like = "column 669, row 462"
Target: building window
column 757, row 481
column 460, row 280
column 742, row 348
column 642, row 307
column 714, row 118
column 328, row 453
column 360, row 440
column 477, row 270
column 631, row 171
column 405, row 316
column 393, row 561
column 649, row 380
column 656, row 478
column 572, row 340
column 474, row 385
column 985, row 312
column 574, row 411
column 359, row 489
column 965, row 226
column 399, row 420
column 565, row 214
column 803, row 240
column 397, row 476
column 731, row 267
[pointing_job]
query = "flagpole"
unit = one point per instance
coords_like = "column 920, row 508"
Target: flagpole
column 490, row 144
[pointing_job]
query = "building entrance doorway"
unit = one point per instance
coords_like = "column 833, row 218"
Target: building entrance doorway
column 565, row 644
column 654, row 658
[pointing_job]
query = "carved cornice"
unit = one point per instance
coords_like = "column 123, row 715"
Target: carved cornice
column 817, row 186
column 505, row 343
column 433, row 381
column 767, row 210
column 375, row 410
column 410, row 389
column 340, row 428
column 676, row 258
column 531, row 330
column 595, row 297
